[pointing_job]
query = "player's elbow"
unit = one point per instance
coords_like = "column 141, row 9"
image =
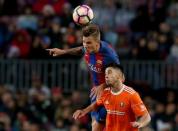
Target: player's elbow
column 148, row 119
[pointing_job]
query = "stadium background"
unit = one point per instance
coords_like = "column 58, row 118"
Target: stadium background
column 143, row 32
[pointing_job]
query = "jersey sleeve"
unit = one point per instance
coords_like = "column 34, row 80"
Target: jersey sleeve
column 137, row 105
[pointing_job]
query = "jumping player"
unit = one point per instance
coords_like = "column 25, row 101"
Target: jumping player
column 97, row 55
column 125, row 109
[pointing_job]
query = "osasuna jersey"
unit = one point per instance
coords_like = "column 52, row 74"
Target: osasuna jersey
column 97, row 61
column 123, row 107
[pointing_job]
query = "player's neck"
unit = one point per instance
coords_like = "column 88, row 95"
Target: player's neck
column 117, row 87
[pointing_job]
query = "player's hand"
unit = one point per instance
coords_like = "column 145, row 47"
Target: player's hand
column 96, row 91
column 135, row 124
column 78, row 114
column 56, row 52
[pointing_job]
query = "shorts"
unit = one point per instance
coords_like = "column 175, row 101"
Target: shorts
column 99, row 114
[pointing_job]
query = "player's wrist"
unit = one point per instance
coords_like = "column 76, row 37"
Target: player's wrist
column 140, row 125
column 84, row 111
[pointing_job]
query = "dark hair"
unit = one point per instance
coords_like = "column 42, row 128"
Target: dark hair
column 115, row 66
column 91, row 30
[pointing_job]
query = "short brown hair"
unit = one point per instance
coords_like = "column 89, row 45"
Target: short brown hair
column 115, row 66
column 91, row 30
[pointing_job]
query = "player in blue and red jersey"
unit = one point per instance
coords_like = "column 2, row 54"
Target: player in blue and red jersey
column 97, row 55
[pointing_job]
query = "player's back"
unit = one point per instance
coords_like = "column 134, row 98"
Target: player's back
column 120, row 110
column 97, row 61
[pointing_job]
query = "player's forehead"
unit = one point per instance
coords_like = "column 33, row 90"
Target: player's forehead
column 109, row 70
column 88, row 39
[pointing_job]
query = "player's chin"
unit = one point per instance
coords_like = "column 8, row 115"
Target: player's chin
column 89, row 51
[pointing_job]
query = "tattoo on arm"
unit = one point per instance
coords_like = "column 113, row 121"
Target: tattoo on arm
column 74, row 51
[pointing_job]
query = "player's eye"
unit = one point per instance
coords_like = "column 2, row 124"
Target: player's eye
column 88, row 43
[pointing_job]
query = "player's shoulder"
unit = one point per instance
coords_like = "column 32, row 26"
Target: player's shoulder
column 129, row 90
column 106, row 92
column 104, row 43
column 106, row 46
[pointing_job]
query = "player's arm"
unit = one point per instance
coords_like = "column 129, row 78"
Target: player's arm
column 80, row 113
column 142, row 121
column 71, row 51
column 140, row 111
column 97, row 90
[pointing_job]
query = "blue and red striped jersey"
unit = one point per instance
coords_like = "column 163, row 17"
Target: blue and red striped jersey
column 97, row 61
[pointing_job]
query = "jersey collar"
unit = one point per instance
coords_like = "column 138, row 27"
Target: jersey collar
column 119, row 92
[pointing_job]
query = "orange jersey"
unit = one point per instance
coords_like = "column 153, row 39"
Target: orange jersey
column 122, row 108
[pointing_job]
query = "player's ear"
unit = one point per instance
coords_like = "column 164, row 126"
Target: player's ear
column 119, row 75
column 123, row 78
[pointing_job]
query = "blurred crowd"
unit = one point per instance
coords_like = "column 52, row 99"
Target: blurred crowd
column 41, row 108
column 141, row 29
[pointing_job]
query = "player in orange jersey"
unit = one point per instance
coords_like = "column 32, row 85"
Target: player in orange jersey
column 125, row 109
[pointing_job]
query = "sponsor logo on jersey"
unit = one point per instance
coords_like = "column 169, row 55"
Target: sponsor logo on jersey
column 94, row 68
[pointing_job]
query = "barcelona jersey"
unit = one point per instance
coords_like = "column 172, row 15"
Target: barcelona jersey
column 97, row 61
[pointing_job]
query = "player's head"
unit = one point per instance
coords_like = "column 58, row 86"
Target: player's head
column 91, row 37
column 113, row 74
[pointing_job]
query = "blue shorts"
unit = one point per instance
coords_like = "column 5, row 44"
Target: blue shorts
column 99, row 114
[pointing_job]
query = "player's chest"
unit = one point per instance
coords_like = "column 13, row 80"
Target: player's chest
column 117, row 104
column 95, row 62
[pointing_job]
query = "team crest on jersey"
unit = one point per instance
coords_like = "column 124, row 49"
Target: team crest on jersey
column 122, row 104
column 99, row 62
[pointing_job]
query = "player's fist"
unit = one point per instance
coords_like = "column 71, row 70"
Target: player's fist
column 78, row 114
column 56, row 52
column 135, row 124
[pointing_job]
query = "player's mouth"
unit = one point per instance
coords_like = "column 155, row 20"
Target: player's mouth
column 88, row 49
